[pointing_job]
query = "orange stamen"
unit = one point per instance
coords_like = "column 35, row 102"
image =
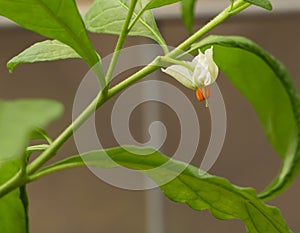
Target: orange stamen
column 199, row 95
column 203, row 93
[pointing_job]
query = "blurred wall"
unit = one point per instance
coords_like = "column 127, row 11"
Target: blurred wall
column 76, row 201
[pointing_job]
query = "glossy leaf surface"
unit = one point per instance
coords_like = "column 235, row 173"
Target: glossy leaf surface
column 109, row 16
column 159, row 3
column 200, row 192
column 56, row 19
column 13, row 215
column 18, row 119
column 187, row 11
column 261, row 3
column 49, row 50
column 266, row 84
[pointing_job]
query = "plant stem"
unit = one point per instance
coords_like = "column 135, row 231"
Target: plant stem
column 120, row 43
column 160, row 40
column 48, row 154
column 16, row 181
column 52, row 169
column 237, row 7
column 154, row 65
column 66, row 134
column 19, row 180
column 133, row 78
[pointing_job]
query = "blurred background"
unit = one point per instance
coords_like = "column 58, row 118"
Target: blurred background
column 77, row 201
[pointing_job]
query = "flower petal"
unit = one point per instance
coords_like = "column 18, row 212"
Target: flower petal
column 181, row 74
column 212, row 66
column 200, row 74
column 198, row 59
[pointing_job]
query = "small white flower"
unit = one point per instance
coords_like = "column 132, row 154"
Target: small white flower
column 197, row 74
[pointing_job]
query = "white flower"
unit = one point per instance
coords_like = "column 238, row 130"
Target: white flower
column 197, row 74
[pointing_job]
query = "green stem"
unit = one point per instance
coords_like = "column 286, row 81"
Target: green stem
column 133, row 78
column 18, row 179
column 120, row 43
column 35, row 148
column 158, row 38
column 52, row 169
column 50, row 152
column 237, row 7
column 66, row 134
column 155, row 65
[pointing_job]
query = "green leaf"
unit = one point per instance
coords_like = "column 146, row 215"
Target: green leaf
column 49, row 50
column 17, row 121
column 57, row 19
column 267, row 85
column 187, row 11
column 13, row 212
column 109, row 16
column 40, row 134
column 159, row 3
column 200, row 192
column 261, row 3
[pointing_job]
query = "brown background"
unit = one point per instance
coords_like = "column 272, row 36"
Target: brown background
column 76, row 201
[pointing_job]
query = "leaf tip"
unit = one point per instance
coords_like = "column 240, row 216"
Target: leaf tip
column 266, row 4
column 11, row 66
column 269, row 6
